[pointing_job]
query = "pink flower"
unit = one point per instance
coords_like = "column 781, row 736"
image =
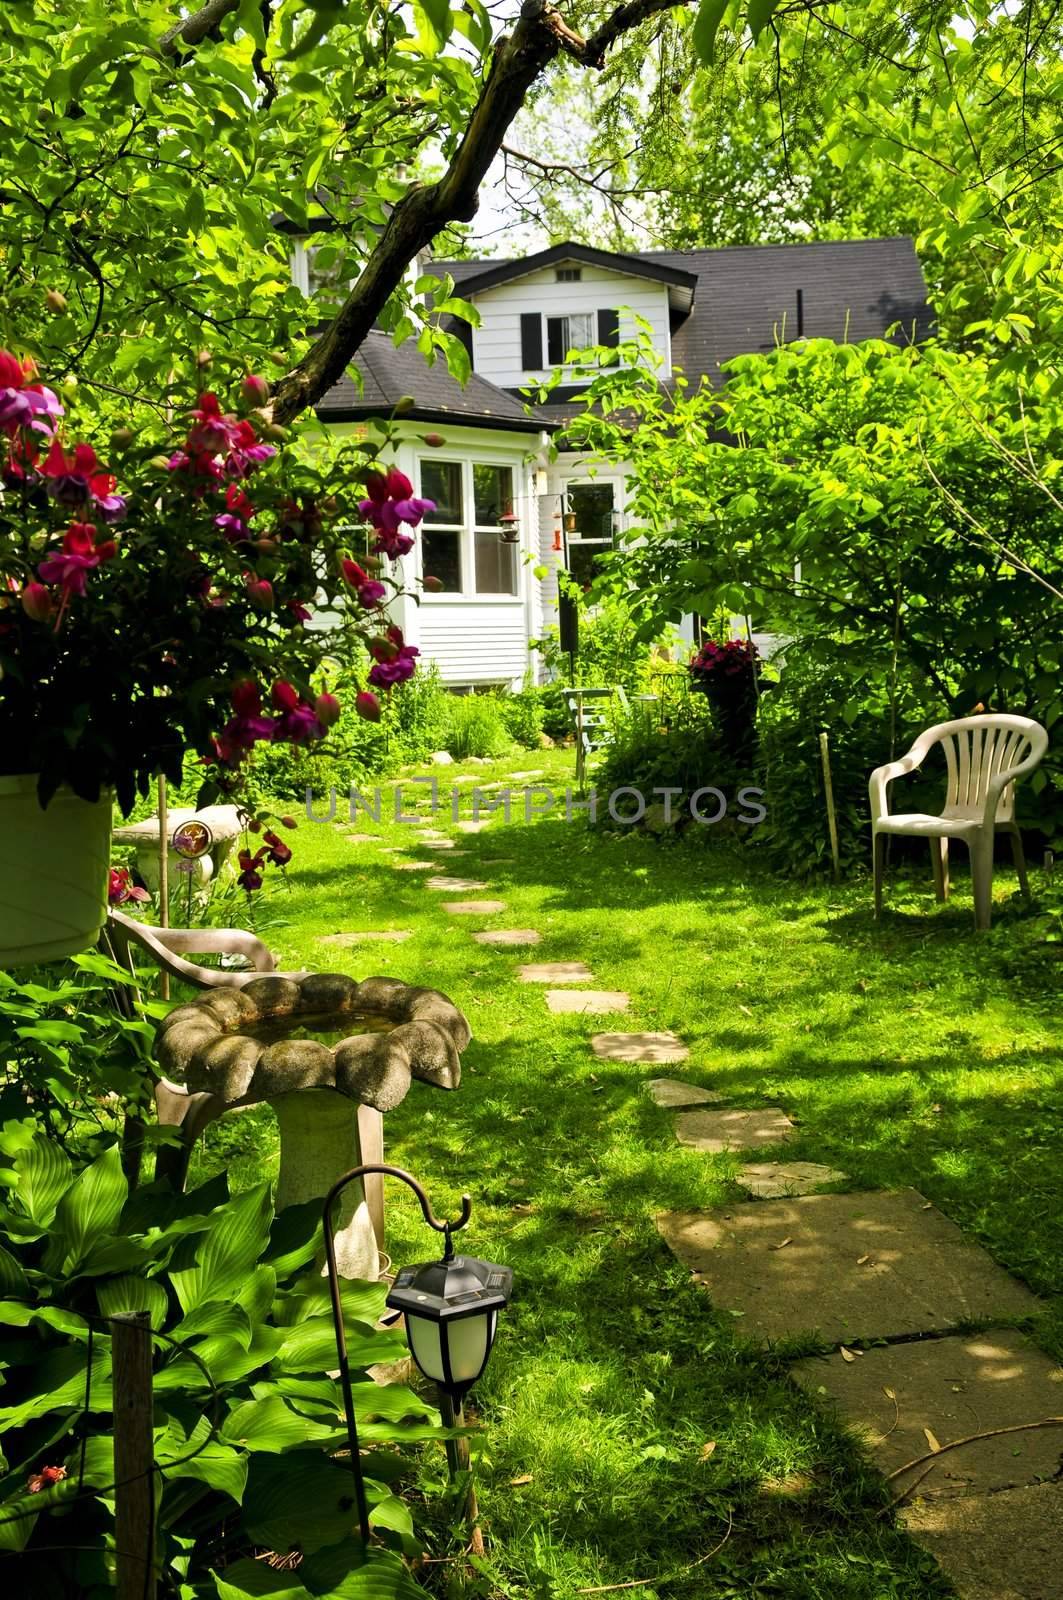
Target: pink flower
column 300, row 612
column 259, row 592
column 395, row 660
column 245, row 452
column 391, row 503
column 76, row 478
column 297, row 722
column 210, row 432
column 370, row 592
column 234, row 520
column 23, row 403
column 244, row 730
column 250, row 875
column 367, row 705
column 80, row 555
column 121, row 888
column 278, row 852
column 37, row 602
column 254, row 390
column 392, row 543
column 327, row 709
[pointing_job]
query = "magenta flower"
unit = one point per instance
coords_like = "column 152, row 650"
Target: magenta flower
column 390, row 505
column 369, row 590
column 235, row 520
column 395, row 660
column 121, row 888
column 79, row 556
column 298, row 722
column 22, row 403
column 250, row 875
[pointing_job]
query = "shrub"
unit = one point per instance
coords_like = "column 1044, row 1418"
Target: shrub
column 523, row 715
column 477, row 727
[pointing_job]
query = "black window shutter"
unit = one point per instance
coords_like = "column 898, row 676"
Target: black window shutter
column 462, row 330
column 556, row 340
column 531, row 341
column 609, row 328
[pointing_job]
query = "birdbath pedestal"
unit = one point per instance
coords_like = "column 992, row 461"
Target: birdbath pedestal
column 320, row 1049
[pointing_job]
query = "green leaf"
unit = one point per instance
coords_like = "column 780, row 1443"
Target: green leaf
column 301, row 1502
column 235, row 1237
column 88, row 1211
column 706, row 25
column 273, row 1426
column 311, row 1347
column 44, row 1173
column 131, row 1293
column 246, row 1580
column 213, row 1463
column 60, row 1379
column 759, row 14
column 294, row 1238
column 13, row 1281
column 433, row 24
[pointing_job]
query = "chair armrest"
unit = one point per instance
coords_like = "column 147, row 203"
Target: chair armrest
column 884, row 775
column 212, row 941
column 165, row 944
column 997, row 784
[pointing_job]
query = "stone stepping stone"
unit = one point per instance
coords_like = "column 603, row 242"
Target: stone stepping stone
column 714, row 1132
column 474, row 908
column 556, row 972
column 673, row 1092
column 472, row 827
column 774, row 1180
column 440, row 844
column 1005, row 1546
column 953, row 1387
column 596, row 1001
column 845, row 1266
column 507, row 936
column 456, row 885
column 415, row 866
column 659, row 1048
column 360, row 838
column 520, row 777
column 384, row 936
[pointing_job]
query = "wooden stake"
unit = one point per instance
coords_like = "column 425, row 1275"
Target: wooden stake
column 460, row 1464
column 134, row 1463
column 164, row 874
column 832, row 820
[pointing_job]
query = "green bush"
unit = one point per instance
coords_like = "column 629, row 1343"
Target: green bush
column 477, row 727
column 523, row 715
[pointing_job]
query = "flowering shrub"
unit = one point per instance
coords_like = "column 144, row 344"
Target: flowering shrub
column 165, row 617
column 727, row 674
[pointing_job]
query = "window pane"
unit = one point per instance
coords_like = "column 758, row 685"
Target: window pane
column 556, row 340
column 581, row 331
column 593, row 506
column 441, row 553
column 496, row 565
column 492, row 492
column 441, row 482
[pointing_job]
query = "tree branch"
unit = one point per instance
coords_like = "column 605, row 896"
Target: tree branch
column 540, row 35
column 191, row 30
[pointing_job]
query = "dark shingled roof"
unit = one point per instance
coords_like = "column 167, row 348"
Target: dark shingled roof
column 389, row 373
column 745, row 301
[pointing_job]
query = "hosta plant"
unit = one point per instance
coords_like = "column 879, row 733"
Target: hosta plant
column 252, row 1495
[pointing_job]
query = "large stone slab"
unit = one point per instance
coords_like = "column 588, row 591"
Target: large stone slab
column 674, row 1093
column 714, row 1132
column 594, row 1001
column 954, row 1387
column 661, row 1049
column 556, row 972
column 455, row 885
column 1005, row 1546
column 415, row 866
column 381, row 936
column 507, row 936
column 843, row 1266
column 775, row 1180
column 472, row 827
column 474, row 908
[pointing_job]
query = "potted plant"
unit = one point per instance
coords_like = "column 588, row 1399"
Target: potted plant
column 726, row 673
column 154, row 611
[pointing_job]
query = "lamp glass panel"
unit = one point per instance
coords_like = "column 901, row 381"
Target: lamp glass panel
column 469, row 1341
column 424, row 1343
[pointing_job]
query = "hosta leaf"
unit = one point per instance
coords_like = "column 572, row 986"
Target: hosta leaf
column 311, row 1347
column 216, row 1317
column 13, row 1280
column 44, row 1173
column 246, row 1580
column 224, row 1255
column 271, row 1425
column 87, row 1212
column 298, row 1502
column 347, row 1572
column 213, row 1462
column 60, row 1382
column 294, row 1238
column 130, row 1293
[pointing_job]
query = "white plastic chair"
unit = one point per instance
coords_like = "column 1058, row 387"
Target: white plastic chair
column 986, row 756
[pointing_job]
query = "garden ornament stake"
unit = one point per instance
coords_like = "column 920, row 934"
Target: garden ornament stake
column 451, row 1308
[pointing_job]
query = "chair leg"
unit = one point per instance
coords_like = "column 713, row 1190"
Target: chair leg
column 982, row 878
column 1019, row 857
column 939, row 861
column 878, row 861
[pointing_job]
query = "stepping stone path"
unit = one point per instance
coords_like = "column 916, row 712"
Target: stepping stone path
column 996, row 1547
column 954, row 1387
column 671, row 1092
column 773, row 1180
column 474, row 908
column 713, row 1132
column 472, row 827
column 359, row 838
column 415, row 866
column 593, row 1000
column 556, row 972
column 507, row 936
column 843, row 1266
column 660, row 1048
column 455, row 885
column 384, row 936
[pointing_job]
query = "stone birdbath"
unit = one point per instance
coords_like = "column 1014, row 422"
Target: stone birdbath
column 320, row 1048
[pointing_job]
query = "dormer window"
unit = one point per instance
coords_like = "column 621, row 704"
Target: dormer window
column 573, row 332
column 568, row 274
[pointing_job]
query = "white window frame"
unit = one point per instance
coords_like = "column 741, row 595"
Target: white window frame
column 467, row 530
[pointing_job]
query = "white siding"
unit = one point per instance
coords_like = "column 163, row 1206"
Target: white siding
column 496, row 342
column 475, row 641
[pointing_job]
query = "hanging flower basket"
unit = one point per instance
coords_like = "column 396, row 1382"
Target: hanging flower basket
column 53, row 886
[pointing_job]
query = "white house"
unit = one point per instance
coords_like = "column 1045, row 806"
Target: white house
column 493, row 481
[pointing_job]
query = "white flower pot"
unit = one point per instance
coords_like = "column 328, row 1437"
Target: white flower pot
column 53, row 872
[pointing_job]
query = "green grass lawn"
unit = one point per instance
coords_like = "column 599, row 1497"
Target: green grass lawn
column 628, row 1430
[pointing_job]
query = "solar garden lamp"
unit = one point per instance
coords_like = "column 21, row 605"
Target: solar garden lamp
column 451, row 1309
